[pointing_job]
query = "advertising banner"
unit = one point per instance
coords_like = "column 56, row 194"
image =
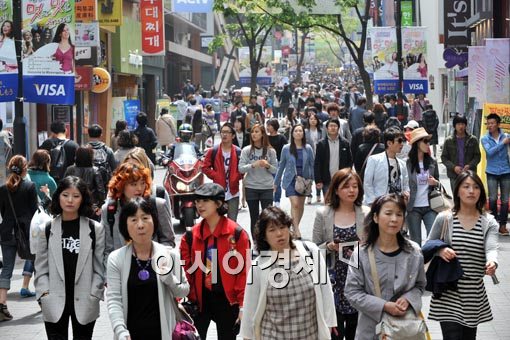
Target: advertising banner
column 86, row 10
column 477, row 73
column 83, row 81
column 110, row 12
column 503, row 110
column 265, row 73
column 407, row 13
column 8, row 62
column 384, row 59
column 498, row 70
column 131, row 109
column 48, row 71
column 193, row 6
column 153, row 27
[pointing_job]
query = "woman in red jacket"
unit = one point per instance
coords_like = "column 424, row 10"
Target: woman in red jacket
column 218, row 293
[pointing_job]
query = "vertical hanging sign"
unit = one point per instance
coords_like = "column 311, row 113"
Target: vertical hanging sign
column 8, row 62
column 48, row 72
column 153, row 27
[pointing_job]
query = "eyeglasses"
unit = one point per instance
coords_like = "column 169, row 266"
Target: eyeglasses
column 399, row 140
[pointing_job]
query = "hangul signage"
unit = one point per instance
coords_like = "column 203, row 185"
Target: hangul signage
column 153, row 27
column 85, row 10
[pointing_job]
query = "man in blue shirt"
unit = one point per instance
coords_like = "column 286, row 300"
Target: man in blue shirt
column 496, row 144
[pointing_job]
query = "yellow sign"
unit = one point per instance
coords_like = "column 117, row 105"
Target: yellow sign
column 110, row 12
column 503, row 110
column 101, row 80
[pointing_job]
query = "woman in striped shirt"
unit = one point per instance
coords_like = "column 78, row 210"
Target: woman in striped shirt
column 473, row 238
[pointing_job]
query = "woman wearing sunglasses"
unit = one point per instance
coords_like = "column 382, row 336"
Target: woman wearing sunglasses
column 423, row 177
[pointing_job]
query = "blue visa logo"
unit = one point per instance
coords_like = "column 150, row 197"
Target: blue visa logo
column 50, row 90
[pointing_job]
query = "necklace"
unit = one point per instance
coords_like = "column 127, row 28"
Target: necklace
column 143, row 273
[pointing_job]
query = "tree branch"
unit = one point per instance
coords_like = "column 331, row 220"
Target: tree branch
column 261, row 48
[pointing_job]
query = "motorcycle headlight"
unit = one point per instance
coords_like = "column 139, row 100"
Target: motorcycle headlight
column 180, row 186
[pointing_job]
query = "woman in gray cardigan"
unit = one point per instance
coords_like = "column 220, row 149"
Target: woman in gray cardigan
column 341, row 220
column 141, row 291
column 399, row 265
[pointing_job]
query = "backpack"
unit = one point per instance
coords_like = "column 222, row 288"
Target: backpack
column 215, row 151
column 101, row 162
column 58, row 160
column 47, row 231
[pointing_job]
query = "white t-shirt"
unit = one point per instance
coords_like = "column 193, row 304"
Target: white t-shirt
column 422, row 193
column 240, row 138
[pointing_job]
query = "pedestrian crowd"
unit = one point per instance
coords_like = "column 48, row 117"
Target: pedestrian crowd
column 373, row 173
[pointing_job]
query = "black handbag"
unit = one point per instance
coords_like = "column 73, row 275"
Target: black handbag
column 21, row 235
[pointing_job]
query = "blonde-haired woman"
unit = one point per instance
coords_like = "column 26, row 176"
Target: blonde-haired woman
column 18, row 203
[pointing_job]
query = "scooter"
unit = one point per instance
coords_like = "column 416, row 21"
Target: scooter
column 183, row 176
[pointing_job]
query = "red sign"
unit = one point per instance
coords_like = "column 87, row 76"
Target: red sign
column 82, row 78
column 153, row 27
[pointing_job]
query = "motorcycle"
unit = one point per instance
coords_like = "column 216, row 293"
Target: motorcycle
column 183, row 176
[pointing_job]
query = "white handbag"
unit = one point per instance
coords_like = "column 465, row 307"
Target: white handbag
column 38, row 228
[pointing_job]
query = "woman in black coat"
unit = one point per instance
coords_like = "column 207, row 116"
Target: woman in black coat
column 24, row 200
column 371, row 139
column 84, row 169
column 241, row 134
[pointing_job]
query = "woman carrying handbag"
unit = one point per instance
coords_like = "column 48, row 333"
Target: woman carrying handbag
column 18, row 203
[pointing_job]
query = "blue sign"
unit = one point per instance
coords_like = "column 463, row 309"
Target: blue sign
column 416, row 86
column 386, row 86
column 193, row 6
column 8, row 87
column 260, row 80
column 131, row 109
column 49, row 89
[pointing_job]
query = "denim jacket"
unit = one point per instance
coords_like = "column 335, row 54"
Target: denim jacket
column 497, row 154
column 287, row 166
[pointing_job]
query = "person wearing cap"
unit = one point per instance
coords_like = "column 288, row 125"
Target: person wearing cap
column 496, row 145
column 408, row 128
column 423, row 177
column 461, row 151
column 219, row 297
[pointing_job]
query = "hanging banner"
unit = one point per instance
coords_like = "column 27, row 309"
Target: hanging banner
column 86, row 10
column 407, row 13
column 193, row 6
column 477, row 73
column 384, row 52
column 153, row 27
column 498, row 70
column 48, row 72
column 414, row 52
column 110, row 12
column 131, row 109
column 265, row 72
column 8, row 62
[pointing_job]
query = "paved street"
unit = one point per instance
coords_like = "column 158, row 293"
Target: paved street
column 28, row 325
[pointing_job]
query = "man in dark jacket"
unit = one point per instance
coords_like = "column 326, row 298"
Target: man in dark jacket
column 285, row 99
column 104, row 158
column 146, row 137
column 332, row 154
column 461, row 151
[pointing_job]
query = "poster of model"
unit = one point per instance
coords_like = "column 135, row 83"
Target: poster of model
column 384, row 55
column 414, row 53
column 8, row 62
column 48, row 66
column 265, row 72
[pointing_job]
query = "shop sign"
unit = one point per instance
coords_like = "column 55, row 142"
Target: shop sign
column 153, row 27
column 83, row 80
column 86, row 10
column 193, row 6
column 101, row 80
column 110, row 12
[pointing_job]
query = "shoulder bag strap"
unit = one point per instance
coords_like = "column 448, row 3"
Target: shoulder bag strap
column 12, row 206
column 369, row 154
column 445, row 226
column 373, row 270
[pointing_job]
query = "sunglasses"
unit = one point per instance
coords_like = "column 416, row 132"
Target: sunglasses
column 399, row 140
column 426, row 140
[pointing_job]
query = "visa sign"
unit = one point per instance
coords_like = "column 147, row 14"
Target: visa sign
column 193, row 6
column 49, row 89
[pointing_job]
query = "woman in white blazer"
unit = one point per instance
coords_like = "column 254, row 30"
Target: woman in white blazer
column 144, row 277
column 281, row 306
column 69, row 263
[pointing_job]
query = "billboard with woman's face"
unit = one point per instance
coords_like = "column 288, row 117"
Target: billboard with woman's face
column 48, row 51
column 8, row 62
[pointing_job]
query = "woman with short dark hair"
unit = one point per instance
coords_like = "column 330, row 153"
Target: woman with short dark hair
column 73, row 246
column 39, row 172
column 472, row 238
column 140, row 291
column 295, row 304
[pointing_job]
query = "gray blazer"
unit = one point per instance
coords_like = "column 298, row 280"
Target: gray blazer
column 413, row 182
column 170, row 286
column 489, row 227
column 324, row 222
column 399, row 276
column 89, row 279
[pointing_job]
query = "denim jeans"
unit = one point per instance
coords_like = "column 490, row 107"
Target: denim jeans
column 503, row 183
column 414, row 219
column 9, row 259
column 277, row 196
column 28, row 268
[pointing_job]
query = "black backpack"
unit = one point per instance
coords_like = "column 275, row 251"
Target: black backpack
column 58, row 160
column 101, row 162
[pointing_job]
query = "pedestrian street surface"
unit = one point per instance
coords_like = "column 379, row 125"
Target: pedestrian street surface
column 28, row 325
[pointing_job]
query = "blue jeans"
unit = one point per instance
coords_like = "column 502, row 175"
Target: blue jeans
column 503, row 183
column 9, row 259
column 414, row 219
